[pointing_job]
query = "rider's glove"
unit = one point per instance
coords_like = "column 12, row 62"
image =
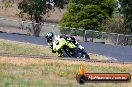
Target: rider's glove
column 53, row 51
column 80, row 47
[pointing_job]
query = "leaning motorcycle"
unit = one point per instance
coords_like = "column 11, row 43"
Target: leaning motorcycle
column 68, row 49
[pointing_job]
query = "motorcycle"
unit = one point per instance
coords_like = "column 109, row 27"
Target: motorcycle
column 68, row 49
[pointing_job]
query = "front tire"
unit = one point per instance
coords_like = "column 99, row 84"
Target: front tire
column 64, row 53
column 67, row 51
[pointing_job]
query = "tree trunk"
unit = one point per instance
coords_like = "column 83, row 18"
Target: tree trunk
column 37, row 29
column 36, row 26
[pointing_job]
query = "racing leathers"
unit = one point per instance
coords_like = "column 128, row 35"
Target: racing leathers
column 67, row 38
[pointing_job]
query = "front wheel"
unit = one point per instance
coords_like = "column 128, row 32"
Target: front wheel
column 64, row 53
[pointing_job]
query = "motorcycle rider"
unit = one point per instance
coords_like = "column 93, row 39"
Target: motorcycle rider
column 49, row 36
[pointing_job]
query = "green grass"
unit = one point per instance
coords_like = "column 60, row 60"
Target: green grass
column 54, row 73
column 23, row 48
column 15, row 47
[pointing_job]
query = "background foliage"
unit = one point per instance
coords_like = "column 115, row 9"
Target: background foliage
column 87, row 14
column 35, row 9
column 126, row 11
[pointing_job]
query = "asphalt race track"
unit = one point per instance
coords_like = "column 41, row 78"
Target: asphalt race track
column 23, row 38
column 121, row 53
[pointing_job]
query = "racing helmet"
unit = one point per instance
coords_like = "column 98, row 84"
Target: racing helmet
column 49, row 35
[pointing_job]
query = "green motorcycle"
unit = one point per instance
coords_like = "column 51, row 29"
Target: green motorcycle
column 68, row 49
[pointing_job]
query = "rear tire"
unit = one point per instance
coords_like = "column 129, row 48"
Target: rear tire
column 85, row 55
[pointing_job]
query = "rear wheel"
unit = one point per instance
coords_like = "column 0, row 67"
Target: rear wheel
column 84, row 55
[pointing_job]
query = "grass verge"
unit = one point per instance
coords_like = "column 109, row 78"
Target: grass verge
column 29, row 72
column 15, row 47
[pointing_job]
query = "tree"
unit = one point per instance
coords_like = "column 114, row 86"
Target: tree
column 35, row 9
column 126, row 11
column 6, row 4
column 114, row 24
column 87, row 14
